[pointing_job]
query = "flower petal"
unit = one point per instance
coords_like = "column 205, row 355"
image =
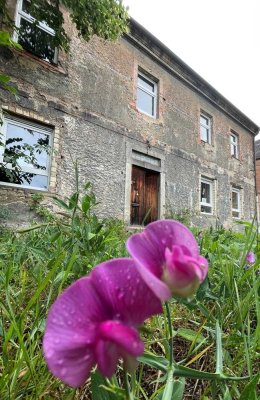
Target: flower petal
column 126, row 337
column 149, row 248
column 120, row 285
column 71, row 332
column 116, row 341
column 107, row 355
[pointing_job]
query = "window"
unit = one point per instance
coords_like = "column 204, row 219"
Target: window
column 25, row 156
column 234, row 145
column 205, row 128
column 206, row 196
column 144, row 196
column 236, row 210
column 146, row 95
column 37, row 39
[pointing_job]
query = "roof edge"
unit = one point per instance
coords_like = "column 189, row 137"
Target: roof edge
column 147, row 42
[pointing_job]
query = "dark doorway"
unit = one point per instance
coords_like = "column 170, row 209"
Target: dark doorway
column 144, row 196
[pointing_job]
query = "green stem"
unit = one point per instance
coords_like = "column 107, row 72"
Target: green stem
column 129, row 394
column 168, row 314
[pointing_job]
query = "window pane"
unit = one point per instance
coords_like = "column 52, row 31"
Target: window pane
column 22, row 143
column 145, row 84
column 145, row 102
column 206, row 209
column 233, row 139
column 235, row 202
column 205, row 193
column 27, row 179
column 204, row 133
column 235, row 214
column 26, row 6
column 204, row 120
column 36, row 41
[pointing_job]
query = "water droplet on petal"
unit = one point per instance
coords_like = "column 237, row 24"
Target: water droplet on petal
column 86, row 357
column 60, row 362
column 120, row 296
column 63, row 371
column 49, row 353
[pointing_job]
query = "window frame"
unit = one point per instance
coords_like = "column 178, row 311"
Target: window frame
column 210, row 205
column 236, row 210
column 207, row 127
column 41, row 25
column 37, row 127
column 153, row 94
column 234, row 145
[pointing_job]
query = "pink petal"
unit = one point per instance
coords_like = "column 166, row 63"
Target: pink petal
column 167, row 233
column 116, row 341
column 119, row 284
column 148, row 250
column 126, row 337
column 107, row 355
column 150, row 258
column 71, row 332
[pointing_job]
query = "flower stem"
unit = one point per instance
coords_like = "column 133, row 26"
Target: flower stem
column 168, row 314
column 129, row 394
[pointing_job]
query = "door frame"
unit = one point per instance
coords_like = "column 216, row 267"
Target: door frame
column 153, row 159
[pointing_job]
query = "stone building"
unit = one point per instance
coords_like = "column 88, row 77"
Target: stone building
column 152, row 136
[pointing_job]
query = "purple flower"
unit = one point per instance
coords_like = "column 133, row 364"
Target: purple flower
column 168, row 258
column 95, row 321
column 250, row 257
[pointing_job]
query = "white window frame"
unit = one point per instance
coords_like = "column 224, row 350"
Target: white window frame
column 153, row 94
column 41, row 24
column 234, row 145
column 210, row 205
column 30, row 169
column 207, row 127
column 236, row 210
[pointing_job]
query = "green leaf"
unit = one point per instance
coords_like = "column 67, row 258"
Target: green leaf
column 190, row 335
column 150, row 359
column 61, row 203
column 6, row 40
column 86, row 203
column 249, row 392
column 174, row 388
column 219, row 356
column 73, row 200
column 100, row 391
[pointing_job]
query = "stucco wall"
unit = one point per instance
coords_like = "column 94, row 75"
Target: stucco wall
column 90, row 100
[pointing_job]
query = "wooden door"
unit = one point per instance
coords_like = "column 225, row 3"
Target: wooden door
column 144, row 196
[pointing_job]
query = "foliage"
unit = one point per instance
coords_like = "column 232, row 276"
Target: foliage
column 184, row 215
column 218, row 332
column 104, row 18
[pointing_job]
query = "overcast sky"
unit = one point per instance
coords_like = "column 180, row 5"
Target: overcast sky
column 219, row 39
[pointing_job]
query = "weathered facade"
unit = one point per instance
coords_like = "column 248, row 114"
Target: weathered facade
column 149, row 133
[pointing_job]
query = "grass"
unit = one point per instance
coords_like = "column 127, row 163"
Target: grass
column 37, row 264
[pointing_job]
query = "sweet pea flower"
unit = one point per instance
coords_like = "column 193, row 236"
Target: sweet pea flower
column 250, row 257
column 95, row 321
column 168, row 258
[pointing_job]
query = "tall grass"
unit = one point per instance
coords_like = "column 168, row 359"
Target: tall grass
column 37, row 264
